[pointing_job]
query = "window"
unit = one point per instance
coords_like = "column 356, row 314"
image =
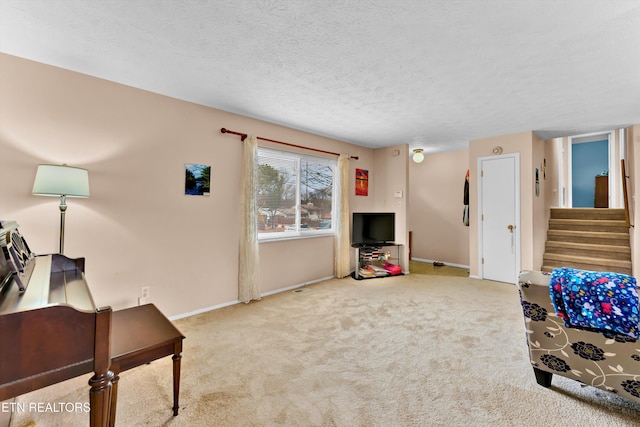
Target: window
column 294, row 195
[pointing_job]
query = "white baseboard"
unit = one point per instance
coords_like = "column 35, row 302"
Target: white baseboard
column 290, row 288
column 203, row 310
column 264, row 294
column 445, row 263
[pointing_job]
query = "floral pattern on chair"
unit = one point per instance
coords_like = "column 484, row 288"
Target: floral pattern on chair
column 608, row 361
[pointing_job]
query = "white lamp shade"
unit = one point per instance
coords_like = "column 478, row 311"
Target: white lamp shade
column 61, row 180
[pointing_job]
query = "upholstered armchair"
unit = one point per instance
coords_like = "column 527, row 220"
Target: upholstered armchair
column 608, row 361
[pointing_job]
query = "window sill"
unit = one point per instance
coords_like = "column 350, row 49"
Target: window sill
column 294, row 236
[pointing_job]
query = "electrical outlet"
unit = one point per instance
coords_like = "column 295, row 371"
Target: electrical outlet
column 145, row 292
column 142, row 301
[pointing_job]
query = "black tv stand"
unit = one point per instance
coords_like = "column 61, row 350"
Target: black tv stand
column 375, row 255
column 372, row 245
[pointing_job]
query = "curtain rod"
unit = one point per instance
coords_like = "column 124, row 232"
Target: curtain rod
column 243, row 136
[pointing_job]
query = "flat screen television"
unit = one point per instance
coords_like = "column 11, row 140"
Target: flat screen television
column 371, row 228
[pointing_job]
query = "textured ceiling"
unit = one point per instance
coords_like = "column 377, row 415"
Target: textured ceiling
column 433, row 74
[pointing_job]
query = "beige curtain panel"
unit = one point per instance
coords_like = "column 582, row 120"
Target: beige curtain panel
column 248, row 274
column 342, row 246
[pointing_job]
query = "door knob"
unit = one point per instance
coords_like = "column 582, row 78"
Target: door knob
column 511, row 227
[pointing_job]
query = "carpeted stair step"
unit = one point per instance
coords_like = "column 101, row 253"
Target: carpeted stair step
column 596, row 237
column 615, row 252
column 588, row 213
column 611, row 226
column 552, row 261
column 589, row 239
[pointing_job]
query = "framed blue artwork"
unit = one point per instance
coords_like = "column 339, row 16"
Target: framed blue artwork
column 197, row 181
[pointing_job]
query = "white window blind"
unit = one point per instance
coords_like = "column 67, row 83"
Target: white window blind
column 295, row 194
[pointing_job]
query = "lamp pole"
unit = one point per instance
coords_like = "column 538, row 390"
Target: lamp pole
column 63, row 209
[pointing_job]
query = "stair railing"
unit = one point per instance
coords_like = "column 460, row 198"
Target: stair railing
column 624, row 191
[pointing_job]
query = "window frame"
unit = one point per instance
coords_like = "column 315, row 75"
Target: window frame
column 298, row 159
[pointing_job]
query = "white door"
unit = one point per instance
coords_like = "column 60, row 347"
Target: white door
column 498, row 191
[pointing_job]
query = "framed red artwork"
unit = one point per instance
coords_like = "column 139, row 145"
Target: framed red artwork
column 362, row 182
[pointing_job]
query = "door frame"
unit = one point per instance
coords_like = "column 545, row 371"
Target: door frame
column 614, row 201
column 516, row 157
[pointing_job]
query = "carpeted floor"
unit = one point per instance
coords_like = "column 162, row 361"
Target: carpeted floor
column 415, row 350
column 417, row 267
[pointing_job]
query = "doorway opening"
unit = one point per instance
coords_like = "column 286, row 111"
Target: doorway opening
column 592, row 164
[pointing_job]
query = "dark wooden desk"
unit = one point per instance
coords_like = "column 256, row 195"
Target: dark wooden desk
column 141, row 335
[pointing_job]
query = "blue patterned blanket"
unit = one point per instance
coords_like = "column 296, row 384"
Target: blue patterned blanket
column 598, row 301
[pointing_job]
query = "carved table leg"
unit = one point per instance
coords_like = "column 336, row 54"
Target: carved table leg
column 100, row 399
column 114, row 398
column 176, row 382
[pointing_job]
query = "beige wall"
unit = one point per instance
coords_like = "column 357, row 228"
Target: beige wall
column 392, row 170
column 555, row 172
column 436, row 206
column 633, row 160
column 539, row 204
column 138, row 228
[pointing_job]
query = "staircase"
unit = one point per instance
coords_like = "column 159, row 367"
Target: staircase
column 589, row 239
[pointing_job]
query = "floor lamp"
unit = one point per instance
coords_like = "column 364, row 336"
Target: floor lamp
column 63, row 181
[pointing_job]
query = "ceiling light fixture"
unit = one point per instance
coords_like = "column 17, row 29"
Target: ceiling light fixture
column 418, row 157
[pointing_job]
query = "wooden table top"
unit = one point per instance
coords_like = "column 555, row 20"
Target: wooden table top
column 139, row 328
